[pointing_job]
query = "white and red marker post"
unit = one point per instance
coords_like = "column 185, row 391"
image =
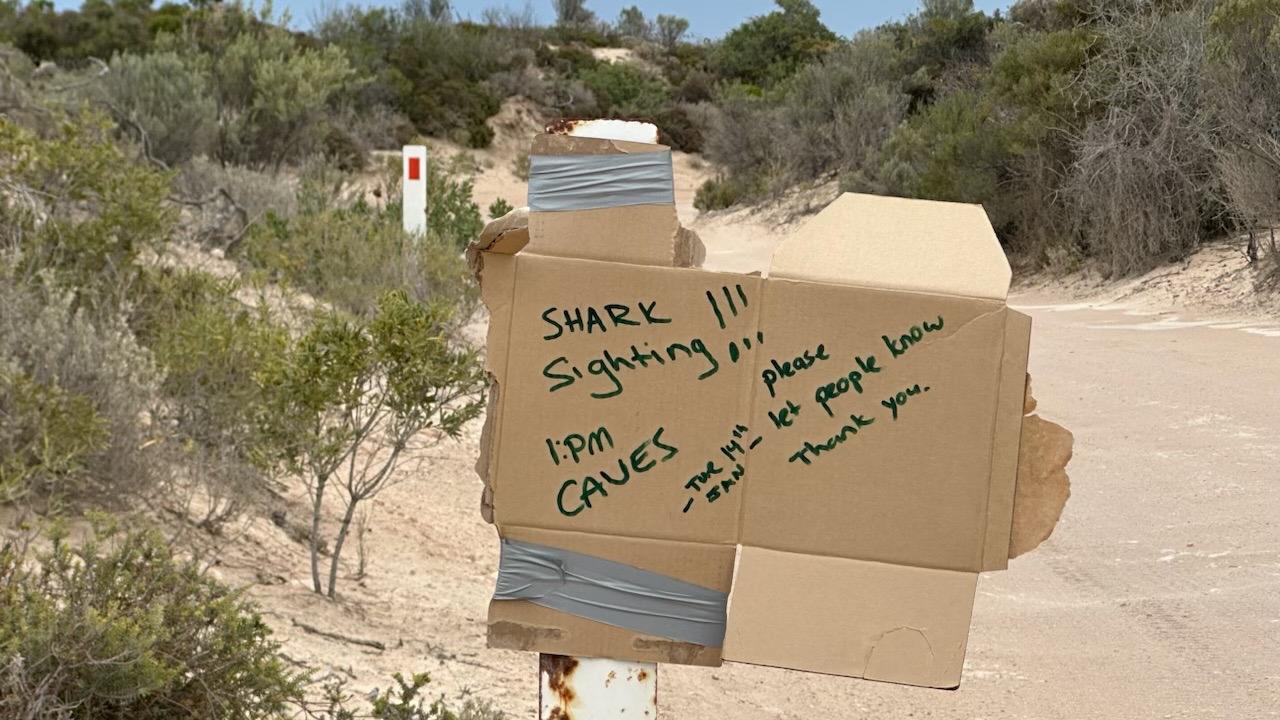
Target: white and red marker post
column 414, row 182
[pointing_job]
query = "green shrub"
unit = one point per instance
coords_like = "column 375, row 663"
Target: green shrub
column 367, row 389
column 404, row 701
column 744, row 137
column 97, row 30
column 624, row 90
column 211, row 348
column 951, row 151
column 567, row 60
column 722, row 192
column 47, row 438
column 767, row 49
column 120, row 628
column 680, row 126
column 271, row 91
column 839, row 111
column 350, row 254
column 520, row 166
column 939, row 44
column 163, row 102
column 222, row 201
column 451, row 213
column 498, row 208
column 82, row 211
column 439, row 74
column 67, row 373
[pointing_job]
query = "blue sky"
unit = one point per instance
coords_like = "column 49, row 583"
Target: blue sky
column 707, row 18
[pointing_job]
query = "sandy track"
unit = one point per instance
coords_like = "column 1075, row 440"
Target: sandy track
column 1157, row 597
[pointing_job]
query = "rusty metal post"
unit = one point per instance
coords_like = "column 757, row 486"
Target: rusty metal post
column 571, row 688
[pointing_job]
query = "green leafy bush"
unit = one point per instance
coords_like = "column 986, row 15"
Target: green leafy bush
column 367, row 389
column 498, row 208
column 47, row 438
column 839, row 111
column 351, row 254
column 80, row 210
column 271, row 91
column 121, row 628
column 163, row 102
column 76, row 400
column 744, row 138
column 624, row 90
column 767, row 49
column 211, row 349
column 99, row 29
column 439, row 75
column 722, row 192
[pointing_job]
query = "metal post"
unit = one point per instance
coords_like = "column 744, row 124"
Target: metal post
column 571, row 688
column 414, row 181
column 574, row 688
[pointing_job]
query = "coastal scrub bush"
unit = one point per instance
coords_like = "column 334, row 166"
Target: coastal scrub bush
column 351, row 396
column 121, row 628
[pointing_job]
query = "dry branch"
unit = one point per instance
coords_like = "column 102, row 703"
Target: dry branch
column 376, row 644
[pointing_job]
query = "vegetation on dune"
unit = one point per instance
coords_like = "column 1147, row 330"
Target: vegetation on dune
column 158, row 391
column 1118, row 131
column 119, row 627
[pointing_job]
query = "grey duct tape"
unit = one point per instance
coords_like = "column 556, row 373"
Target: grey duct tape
column 584, row 182
column 611, row 592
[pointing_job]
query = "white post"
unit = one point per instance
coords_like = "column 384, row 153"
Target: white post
column 579, row 688
column 596, row 689
column 413, row 177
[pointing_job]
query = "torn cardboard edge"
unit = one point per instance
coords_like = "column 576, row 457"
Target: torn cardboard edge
column 514, row 235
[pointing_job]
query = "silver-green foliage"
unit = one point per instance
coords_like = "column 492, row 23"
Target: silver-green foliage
column 165, row 100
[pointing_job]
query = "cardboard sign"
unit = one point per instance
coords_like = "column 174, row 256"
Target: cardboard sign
column 834, row 445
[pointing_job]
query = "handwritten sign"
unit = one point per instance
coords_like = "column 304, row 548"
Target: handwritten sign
column 701, row 406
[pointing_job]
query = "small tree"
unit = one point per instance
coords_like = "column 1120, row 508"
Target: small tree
column 670, row 30
column 573, row 13
column 347, row 402
column 768, row 49
column 632, row 24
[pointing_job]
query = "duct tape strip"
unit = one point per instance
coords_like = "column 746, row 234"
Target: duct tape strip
column 611, row 592
column 584, row 182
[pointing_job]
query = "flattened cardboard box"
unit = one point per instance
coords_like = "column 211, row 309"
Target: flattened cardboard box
column 836, row 443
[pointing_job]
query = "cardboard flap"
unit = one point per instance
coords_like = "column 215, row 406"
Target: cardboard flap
column 506, row 235
column 1006, row 440
column 635, row 234
column 885, row 452
column 898, row 244
column 849, row 617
